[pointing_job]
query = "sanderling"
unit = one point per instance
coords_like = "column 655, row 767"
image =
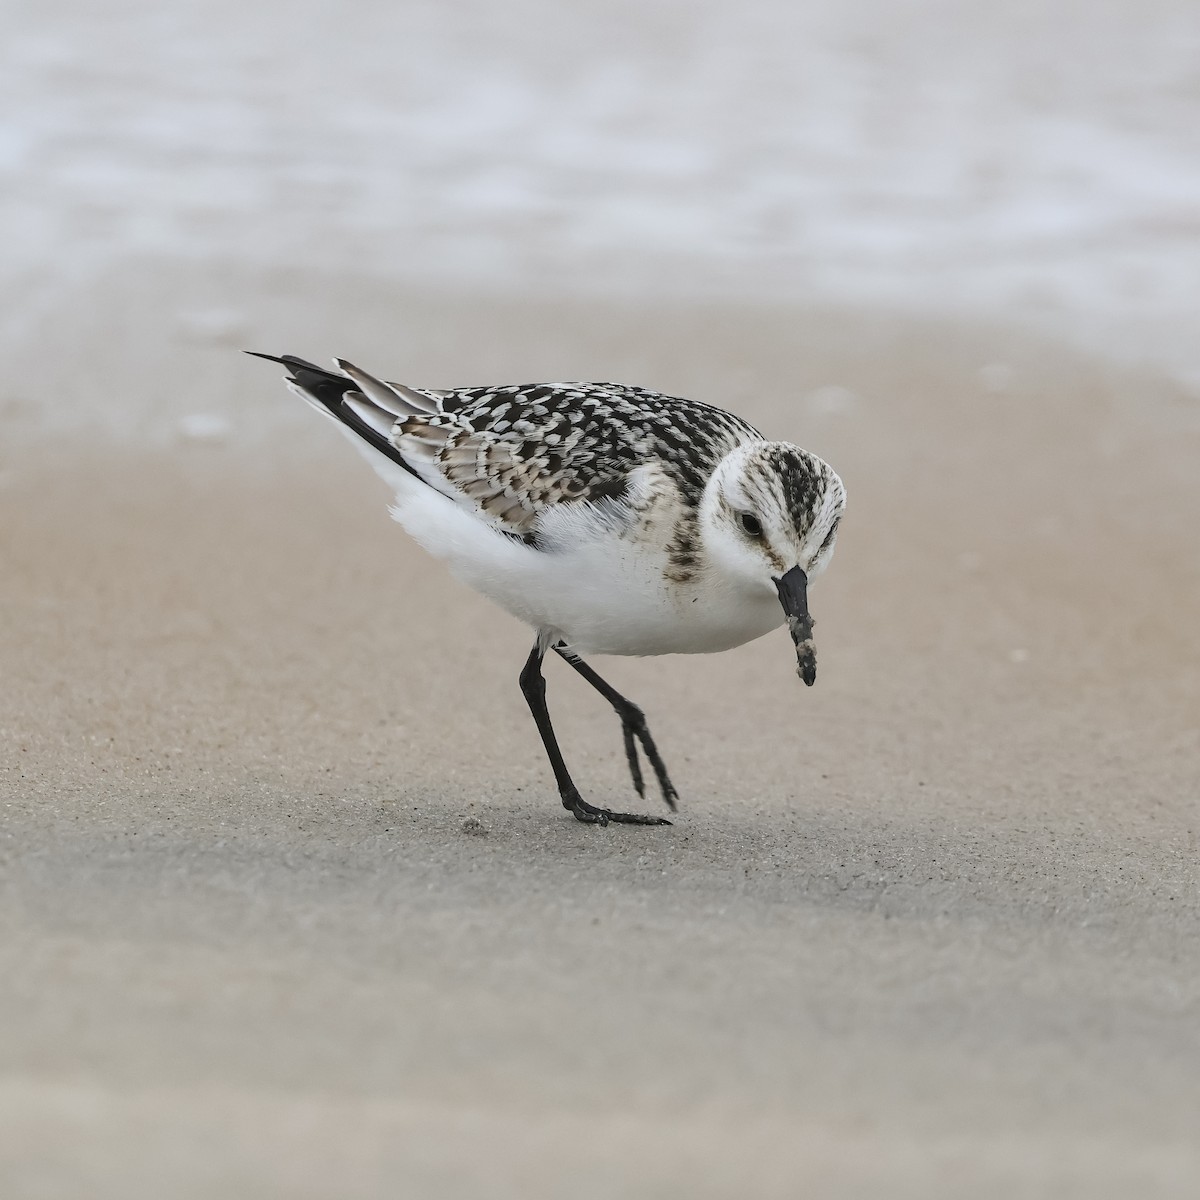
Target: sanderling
column 612, row 519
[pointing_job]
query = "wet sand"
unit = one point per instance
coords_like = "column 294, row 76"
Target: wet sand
column 928, row 929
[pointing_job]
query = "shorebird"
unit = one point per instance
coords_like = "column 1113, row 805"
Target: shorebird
column 612, row 519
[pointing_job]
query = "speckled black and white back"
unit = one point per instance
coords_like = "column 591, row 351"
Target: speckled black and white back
column 518, row 448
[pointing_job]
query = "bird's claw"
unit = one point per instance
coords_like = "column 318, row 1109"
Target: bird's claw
column 589, row 814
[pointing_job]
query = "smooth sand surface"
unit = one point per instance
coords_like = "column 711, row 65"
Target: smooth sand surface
column 931, row 928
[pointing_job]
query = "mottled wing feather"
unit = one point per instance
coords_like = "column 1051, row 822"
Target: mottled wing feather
column 513, row 451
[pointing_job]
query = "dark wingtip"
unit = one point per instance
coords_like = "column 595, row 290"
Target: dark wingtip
column 327, row 389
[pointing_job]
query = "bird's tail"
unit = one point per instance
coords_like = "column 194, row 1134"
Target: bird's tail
column 322, row 389
column 361, row 403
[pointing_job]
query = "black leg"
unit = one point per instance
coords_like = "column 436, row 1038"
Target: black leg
column 533, row 685
column 633, row 725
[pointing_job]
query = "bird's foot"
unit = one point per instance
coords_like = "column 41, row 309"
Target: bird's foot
column 635, row 730
column 589, row 814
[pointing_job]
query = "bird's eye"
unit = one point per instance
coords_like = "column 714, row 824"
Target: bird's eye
column 750, row 525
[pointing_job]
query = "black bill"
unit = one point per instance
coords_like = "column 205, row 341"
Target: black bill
column 793, row 595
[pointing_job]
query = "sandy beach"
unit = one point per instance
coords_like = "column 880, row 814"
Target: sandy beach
column 288, row 905
column 926, row 929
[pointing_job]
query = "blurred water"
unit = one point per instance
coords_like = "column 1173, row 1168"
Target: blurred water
column 1021, row 159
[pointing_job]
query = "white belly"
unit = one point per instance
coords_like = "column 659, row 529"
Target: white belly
column 603, row 599
column 601, row 595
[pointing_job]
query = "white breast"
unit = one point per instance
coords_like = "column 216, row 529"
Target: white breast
column 600, row 588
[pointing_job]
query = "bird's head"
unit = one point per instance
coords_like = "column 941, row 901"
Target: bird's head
column 770, row 517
